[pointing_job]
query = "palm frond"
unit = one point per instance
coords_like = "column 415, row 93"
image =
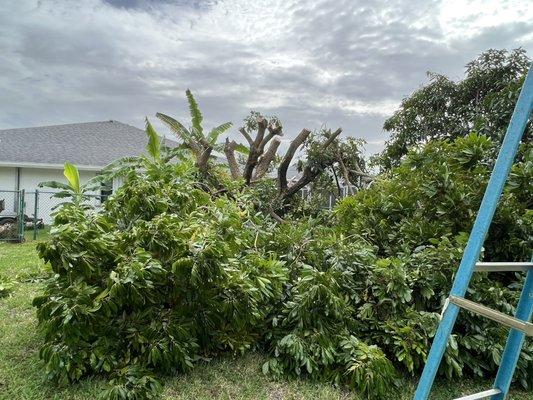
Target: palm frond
column 241, row 148
column 196, row 114
column 54, row 185
column 96, row 182
column 176, row 127
column 216, row 132
column 154, row 141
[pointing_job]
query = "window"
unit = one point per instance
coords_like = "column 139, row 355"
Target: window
column 106, row 189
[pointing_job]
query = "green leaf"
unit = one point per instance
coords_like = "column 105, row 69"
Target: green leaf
column 176, row 127
column 73, row 177
column 55, row 185
column 216, row 132
column 154, row 141
column 241, row 148
column 265, row 368
column 196, row 115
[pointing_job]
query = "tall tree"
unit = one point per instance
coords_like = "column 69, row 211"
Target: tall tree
column 481, row 102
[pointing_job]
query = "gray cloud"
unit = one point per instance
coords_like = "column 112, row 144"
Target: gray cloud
column 343, row 63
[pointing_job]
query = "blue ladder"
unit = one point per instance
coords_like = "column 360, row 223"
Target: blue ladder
column 520, row 325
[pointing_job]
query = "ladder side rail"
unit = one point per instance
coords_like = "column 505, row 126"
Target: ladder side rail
column 481, row 226
column 515, row 341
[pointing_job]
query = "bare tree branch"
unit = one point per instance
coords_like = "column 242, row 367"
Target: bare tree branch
column 254, row 154
column 246, row 136
column 267, row 158
column 202, row 160
column 345, row 174
column 229, row 150
column 332, row 137
column 308, row 174
column 276, row 216
column 363, row 175
column 336, row 180
column 261, row 128
column 272, row 132
column 284, row 166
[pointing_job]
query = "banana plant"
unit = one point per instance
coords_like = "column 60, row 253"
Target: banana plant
column 193, row 138
column 73, row 188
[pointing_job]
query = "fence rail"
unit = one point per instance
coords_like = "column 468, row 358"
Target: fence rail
column 25, row 214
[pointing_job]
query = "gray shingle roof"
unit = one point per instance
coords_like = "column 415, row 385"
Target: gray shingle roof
column 94, row 144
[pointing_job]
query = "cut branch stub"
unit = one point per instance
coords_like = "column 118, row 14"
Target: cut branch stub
column 284, row 166
column 309, row 174
column 266, row 159
column 255, row 148
column 229, row 150
column 246, row 136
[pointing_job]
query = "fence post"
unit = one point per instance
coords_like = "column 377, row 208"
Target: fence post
column 21, row 221
column 35, row 209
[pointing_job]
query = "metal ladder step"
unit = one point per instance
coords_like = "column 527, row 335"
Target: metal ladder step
column 480, row 395
column 494, row 315
column 503, row 266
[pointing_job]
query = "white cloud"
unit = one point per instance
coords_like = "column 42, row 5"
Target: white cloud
column 465, row 19
column 346, row 63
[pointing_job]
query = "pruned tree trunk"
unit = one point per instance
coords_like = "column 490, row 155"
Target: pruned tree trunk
column 266, row 159
column 229, row 150
column 345, row 175
column 285, row 163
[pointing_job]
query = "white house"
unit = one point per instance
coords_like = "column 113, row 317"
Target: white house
column 29, row 156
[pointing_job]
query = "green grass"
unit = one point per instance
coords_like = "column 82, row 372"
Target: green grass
column 42, row 234
column 228, row 378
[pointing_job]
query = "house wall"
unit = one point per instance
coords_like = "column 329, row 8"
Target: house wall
column 7, row 178
column 7, row 187
column 29, row 180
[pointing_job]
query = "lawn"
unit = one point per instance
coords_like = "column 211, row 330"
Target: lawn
column 228, row 378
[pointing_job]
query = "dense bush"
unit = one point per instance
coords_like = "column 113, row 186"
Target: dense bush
column 172, row 271
column 166, row 275
column 343, row 290
column 436, row 192
column 421, row 212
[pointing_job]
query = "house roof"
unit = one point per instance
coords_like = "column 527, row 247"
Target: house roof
column 89, row 145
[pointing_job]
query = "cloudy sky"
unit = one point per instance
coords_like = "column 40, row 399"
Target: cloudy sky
column 335, row 62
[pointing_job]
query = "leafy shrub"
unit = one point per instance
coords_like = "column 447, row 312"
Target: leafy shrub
column 171, row 272
column 417, row 216
column 436, row 192
column 163, row 277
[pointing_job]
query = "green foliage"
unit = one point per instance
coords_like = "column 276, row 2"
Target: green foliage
column 6, row 286
column 194, row 137
column 436, row 192
column 154, row 142
column 73, row 177
column 443, row 109
column 162, row 277
column 417, row 216
column 73, row 189
column 171, row 272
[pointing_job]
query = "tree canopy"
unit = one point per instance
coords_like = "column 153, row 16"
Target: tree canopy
column 482, row 102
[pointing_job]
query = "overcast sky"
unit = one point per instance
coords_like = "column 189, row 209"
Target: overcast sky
column 336, row 62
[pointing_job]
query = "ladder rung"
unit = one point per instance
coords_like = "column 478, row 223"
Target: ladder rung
column 494, row 315
column 503, row 266
column 480, row 395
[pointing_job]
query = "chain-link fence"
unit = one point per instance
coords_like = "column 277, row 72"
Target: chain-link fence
column 27, row 215
column 325, row 200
